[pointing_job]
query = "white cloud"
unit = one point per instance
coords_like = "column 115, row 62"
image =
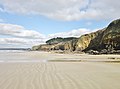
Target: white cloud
column 73, row 33
column 20, row 42
column 18, row 36
column 64, row 9
column 19, row 31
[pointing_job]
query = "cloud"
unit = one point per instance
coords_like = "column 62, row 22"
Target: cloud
column 66, row 10
column 73, row 33
column 18, row 36
column 19, row 31
column 20, row 42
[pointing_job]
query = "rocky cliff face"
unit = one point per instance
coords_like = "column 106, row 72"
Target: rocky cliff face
column 111, row 36
column 88, row 40
column 108, row 39
column 69, row 46
column 44, row 47
column 105, row 40
column 96, row 41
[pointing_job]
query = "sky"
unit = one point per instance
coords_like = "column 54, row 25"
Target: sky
column 24, row 23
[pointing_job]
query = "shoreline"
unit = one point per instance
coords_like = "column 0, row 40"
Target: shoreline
column 43, row 56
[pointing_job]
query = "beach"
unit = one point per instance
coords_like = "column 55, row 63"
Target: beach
column 44, row 70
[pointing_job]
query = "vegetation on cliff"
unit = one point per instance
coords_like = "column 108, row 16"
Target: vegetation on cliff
column 59, row 39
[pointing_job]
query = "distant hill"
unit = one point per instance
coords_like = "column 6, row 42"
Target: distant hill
column 106, row 41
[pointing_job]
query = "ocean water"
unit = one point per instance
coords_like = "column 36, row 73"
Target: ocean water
column 13, row 55
column 22, row 56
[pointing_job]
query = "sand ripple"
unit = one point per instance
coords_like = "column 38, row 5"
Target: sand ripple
column 59, row 75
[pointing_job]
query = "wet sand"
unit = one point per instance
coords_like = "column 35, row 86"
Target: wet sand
column 42, row 70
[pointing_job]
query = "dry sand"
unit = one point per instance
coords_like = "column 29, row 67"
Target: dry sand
column 37, row 70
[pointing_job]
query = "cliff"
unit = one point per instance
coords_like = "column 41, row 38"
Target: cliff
column 58, row 44
column 88, row 40
column 106, row 40
column 111, row 36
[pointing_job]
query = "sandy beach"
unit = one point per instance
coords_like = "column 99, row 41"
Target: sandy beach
column 42, row 70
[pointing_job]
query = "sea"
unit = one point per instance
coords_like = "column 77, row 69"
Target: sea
column 13, row 55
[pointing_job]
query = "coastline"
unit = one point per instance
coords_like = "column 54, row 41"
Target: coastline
column 39, row 56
